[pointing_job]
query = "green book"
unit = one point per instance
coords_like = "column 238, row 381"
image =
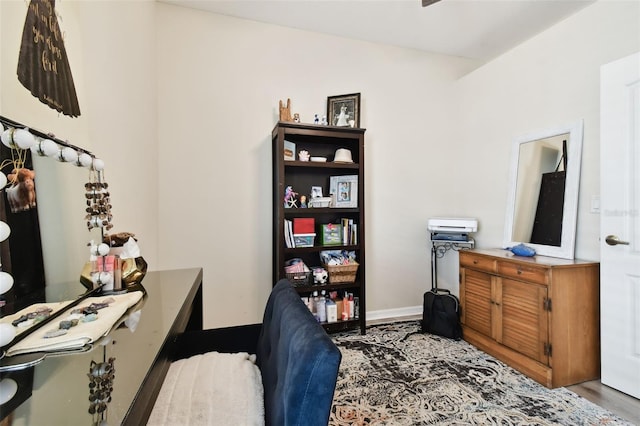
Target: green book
column 331, row 234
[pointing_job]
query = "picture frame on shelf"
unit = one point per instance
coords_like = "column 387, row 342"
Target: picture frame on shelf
column 344, row 190
column 289, row 151
column 344, row 110
column 316, row 192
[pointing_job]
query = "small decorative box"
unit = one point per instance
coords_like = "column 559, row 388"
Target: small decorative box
column 320, row 202
column 303, row 240
column 303, row 225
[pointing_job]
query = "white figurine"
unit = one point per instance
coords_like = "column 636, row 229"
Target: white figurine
column 342, row 118
column 320, row 276
column 303, row 155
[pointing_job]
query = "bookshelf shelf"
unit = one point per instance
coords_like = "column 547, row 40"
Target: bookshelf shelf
column 310, row 212
column 319, row 248
column 320, row 141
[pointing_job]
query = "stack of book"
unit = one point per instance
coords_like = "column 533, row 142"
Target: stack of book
column 299, row 232
column 349, row 232
column 336, row 234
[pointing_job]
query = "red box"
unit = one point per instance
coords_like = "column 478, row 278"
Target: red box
column 304, row 225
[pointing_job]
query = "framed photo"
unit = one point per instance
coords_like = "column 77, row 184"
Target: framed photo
column 344, row 110
column 316, row 191
column 289, row 151
column 344, row 189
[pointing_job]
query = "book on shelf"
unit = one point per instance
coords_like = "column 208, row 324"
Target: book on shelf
column 354, row 234
column 349, row 232
column 331, row 234
column 288, row 234
column 289, row 151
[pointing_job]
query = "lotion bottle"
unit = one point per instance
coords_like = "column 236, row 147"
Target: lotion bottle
column 332, row 311
column 321, row 308
column 313, row 304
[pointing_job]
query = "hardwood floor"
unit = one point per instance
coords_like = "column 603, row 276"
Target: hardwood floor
column 617, row 402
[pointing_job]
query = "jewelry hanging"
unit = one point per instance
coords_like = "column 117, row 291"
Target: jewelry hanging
column 98, row 201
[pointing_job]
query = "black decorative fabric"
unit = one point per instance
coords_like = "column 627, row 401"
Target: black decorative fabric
column 43, row 66
column 387, row 379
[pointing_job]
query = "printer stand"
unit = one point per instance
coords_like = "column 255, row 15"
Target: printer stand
column 439, row 247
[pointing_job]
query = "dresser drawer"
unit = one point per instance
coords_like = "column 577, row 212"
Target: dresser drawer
column 524, row 272
column 481, row 263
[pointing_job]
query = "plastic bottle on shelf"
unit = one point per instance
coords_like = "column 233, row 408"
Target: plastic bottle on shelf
column 313, row 302
column 345, row 307
column 332, row 311
column 356, row 307
column 321, row 308
column 351, row 306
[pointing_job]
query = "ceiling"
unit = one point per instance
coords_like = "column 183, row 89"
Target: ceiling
column 475, row 29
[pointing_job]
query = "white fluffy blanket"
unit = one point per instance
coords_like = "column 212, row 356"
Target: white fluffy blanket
column 211, row 389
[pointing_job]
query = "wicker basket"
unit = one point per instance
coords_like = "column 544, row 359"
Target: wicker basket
column 342, row 273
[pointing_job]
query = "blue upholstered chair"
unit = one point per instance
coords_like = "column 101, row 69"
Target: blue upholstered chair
column 297, row 359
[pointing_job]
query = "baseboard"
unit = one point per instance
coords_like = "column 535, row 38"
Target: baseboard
column 394, row 313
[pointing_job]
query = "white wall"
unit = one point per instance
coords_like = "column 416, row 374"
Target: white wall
column 550, row 80
column 437, row 142
column 111, row 50
column 218, row 88
column 63, row 229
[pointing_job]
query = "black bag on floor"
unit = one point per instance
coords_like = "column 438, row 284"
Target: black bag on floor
column 441, row 314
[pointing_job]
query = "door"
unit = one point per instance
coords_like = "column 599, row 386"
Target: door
column 620, row 224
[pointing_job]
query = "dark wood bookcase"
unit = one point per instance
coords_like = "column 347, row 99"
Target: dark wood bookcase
column 319, row 141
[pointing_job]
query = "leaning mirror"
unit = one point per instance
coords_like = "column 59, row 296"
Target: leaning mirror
column 544, row 178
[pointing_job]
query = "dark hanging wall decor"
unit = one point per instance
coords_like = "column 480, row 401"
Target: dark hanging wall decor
column 43, row 66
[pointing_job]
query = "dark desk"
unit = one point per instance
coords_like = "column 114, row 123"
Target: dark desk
column 61, row 383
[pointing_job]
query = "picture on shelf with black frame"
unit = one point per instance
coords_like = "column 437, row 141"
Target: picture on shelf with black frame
column 344, row 110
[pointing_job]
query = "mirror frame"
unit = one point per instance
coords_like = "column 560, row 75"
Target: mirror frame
column 566, row 250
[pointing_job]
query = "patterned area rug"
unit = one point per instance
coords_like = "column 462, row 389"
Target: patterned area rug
column 393, row 377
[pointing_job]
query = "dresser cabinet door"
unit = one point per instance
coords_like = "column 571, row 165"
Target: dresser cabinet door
column 477, row 306
column 525, row 322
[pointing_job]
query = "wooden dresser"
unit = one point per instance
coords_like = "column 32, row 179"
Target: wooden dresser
column 540, row 315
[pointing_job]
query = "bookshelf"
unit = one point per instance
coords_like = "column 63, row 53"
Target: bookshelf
column 302, row 176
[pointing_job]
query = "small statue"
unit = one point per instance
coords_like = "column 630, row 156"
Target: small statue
column 316, row 120
column 324, row 120
column 303, row 202
column 296, row 118
column 285, row 112
column 290, row 198
column 303, row 155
